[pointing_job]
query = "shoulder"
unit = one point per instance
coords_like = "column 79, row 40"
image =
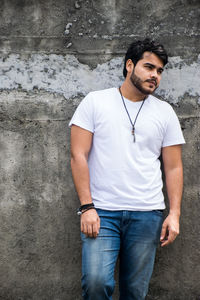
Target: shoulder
column 98, row 100
column 103, row 93
column 160, row 105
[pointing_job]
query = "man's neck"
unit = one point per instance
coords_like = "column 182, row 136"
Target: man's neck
column 130, row 92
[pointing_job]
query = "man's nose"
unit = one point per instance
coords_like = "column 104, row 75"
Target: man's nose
column 154, row 74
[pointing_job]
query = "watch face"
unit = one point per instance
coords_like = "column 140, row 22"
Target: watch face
column 79, row 212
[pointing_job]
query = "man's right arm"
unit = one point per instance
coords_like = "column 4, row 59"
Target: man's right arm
column 81, row 141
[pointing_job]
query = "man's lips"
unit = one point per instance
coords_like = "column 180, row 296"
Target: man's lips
column 152, row 82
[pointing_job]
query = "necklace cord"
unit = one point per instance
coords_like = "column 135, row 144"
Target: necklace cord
column 132, row 123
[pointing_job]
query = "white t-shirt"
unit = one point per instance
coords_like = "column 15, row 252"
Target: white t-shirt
column 125, row 175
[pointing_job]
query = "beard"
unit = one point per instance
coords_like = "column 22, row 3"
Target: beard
column 138, row 83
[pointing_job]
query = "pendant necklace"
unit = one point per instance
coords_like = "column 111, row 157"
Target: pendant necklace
column 132, row 123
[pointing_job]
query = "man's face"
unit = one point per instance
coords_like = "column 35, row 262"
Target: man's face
column 146, row 75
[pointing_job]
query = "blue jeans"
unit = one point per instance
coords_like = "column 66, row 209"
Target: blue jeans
column 131, row 235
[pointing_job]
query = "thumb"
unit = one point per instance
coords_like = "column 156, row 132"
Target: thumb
column 163, row 232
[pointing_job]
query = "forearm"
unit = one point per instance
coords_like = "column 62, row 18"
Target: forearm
column 174, row 184
column 81, row 141
column 81, row 178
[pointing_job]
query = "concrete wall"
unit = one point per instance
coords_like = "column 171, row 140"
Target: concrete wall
column 52, row 54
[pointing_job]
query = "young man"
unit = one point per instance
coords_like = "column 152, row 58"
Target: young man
column 117, row 137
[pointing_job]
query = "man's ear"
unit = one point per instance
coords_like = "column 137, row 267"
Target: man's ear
column 129, row 66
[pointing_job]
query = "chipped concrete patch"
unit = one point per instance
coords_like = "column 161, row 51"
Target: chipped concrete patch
column 58, row 74
column 66, row 76
column 179, row 79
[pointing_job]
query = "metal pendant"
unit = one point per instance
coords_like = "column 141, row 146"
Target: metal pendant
column 133, row 133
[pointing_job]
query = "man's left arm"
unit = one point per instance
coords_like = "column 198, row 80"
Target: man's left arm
column 173, row 169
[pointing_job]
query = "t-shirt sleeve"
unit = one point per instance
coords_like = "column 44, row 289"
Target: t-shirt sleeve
column 173, row 134
column 83, row 116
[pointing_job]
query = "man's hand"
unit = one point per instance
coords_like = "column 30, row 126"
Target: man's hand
column 90, row 223
column 170, row 229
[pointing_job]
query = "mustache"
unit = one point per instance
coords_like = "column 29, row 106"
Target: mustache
column 152, row 81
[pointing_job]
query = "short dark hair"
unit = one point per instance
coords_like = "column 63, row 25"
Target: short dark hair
column 136, row 50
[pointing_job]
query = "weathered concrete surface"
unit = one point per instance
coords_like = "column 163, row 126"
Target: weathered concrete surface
column 178, row 266
column 66, row 76
column 52, row 54
column 40, row 244
column 97, row 30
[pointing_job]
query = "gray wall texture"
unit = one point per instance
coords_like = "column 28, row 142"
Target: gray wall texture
column 52, row 53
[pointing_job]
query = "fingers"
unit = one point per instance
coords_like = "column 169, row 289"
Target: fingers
column 163, row 232
column 169, row 239
column 168, row 234
column 90, row 223
column 91, row 230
